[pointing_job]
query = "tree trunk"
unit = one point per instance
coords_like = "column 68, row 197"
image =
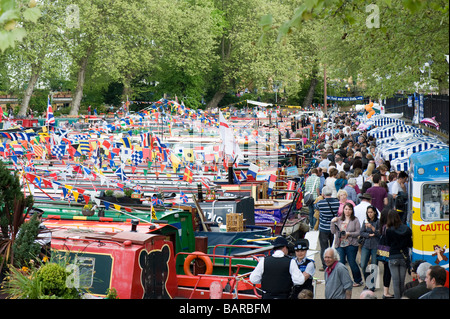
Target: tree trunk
column 35, row 73
column 312, row 87
column 80, row 83
column 126, row 88
column 218, row 96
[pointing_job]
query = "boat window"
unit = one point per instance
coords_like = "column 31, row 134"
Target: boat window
column 435, row 205
column 86, row 266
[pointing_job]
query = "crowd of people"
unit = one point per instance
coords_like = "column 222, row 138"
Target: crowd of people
column 359, row 203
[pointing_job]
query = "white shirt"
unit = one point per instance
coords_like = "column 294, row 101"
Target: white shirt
column 361, row 210
column 296, row 274
column 340, row 167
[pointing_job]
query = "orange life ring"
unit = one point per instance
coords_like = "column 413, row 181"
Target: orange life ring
column 195, row 255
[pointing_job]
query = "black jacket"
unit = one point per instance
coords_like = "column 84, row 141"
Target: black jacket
column 399, row 239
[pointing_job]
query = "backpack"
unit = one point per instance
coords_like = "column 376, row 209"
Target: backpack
column 308, row 199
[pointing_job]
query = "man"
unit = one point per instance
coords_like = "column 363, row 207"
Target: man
column 328, row 209
column 277, row 273
column 312, row 185
column 361, row 209
column 322, row 178
column 339, row 162
column 325, row 161
column 338, row 283
column 399, row 186
column 378, row 193
column 367, row 294
column 421, row 289
column 305, row 265
column 435, row 279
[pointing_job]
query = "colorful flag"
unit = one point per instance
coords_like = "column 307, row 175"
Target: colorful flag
column 253, row 170
column 205, row 181
column 235, row 178
column 271, row 180
column 290, row 186
column 121, row 174
column 126, row 142
column 183, row 197
column 188, row 175
column 50, row 118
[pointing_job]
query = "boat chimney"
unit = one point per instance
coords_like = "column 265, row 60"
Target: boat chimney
column 199, row 192
column 230, row 173
column 134, row 224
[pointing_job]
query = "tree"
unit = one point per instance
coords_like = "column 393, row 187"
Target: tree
column 11, row 17
column 385, row 57
column 9, row 190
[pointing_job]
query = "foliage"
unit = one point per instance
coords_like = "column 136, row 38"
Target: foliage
column 111, row 294
column 109, row 192
column 46, row 282
column 11, row 21
column 25, row 248
column 9, row 190
column 128, row 192
column 14, row 222
column 22, row 284
column 204, row 51
column 53, row 277
column 384, row 57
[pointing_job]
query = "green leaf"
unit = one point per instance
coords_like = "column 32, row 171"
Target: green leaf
column 32, row 14
column 266, row 20
column 283, row 30
column 7, row 5
column 9, row 15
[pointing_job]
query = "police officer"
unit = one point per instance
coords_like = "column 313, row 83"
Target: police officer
column 277, row 273
column 305, row 265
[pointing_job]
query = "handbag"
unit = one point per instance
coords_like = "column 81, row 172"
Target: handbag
column 383, row 253
column 382, row 248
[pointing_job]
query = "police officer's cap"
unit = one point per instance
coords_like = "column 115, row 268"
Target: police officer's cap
column 302, row 244
column 280, row 242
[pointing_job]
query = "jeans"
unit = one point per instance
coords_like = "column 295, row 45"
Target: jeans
column 312, row 220
column 397, row 266
column 366, row 254
column 325, row 241
column 349, row 253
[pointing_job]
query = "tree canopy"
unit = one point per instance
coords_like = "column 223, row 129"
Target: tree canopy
column 202, row 51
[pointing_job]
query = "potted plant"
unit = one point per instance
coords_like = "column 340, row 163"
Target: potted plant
column 87, row 210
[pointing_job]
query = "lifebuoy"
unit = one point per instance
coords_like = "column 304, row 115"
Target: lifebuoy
column 195, row 255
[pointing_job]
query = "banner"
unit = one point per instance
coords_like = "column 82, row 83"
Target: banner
column 345, row 98
column 420, row 107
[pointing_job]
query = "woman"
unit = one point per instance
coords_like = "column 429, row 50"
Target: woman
column 370, row 231
column 367, row 175
column 330, row 181
column 383, row 172
column 359, row 178
column 347, row 229
column 386, row 270
column 342, row 195
column 341, row 181
column 399, row 239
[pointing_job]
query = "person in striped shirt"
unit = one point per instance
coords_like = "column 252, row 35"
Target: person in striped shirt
column 312, row 185
column 328, row 209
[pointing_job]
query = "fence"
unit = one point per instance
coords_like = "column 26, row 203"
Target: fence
column 433, row 105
